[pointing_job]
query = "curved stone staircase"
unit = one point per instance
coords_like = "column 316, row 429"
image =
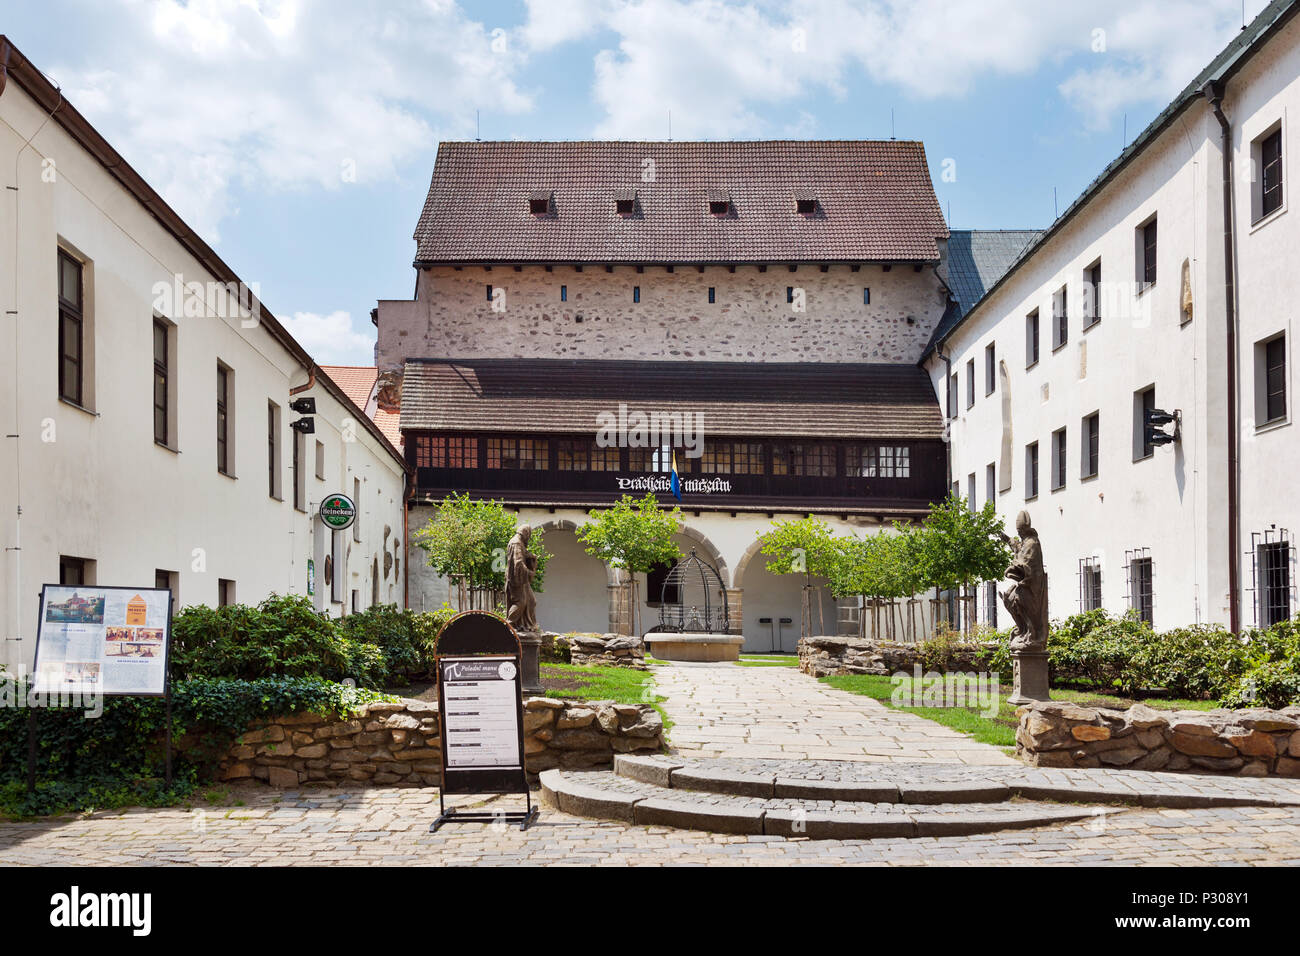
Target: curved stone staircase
column 854, row 800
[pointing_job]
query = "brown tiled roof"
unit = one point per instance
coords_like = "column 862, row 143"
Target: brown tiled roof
column 796, row 400
column 875, row 202
column 358, row 382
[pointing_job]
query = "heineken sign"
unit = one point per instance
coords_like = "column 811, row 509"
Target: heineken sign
column 338, row 512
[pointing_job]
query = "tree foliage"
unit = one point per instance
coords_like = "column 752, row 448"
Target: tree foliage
column 466, row 540
column 806, row 546
column 634, row 536
column 958, row 547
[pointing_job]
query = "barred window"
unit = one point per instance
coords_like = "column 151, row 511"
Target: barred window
column 879, row 461
column 1141, row 580
column 1089, row 584
column 526, row 454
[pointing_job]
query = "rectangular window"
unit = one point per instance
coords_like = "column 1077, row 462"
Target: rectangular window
column 299, row 484
column 1058, row 459
column 1275, row 380
column 1144, row 400
column 1031, row 470
column 161, row 410
column 71, row 330
column 866, row 296
column 789, row 293
column 991, row 603
column 1273, row 562
column 747, row 458
column 72, row 571
column 1091, row 445
column 1146, row 265
column 225, row 592
column 1141, row 595
column 1270, row 162
column 320, row 459
column 952, row 397
column 1031, row 339
column 991, row 482
column 636, row 293
column 970, row 383
column 970, row 491
column 1092, row 295
column 879, row 461
column 1089, row 584
column 356, row 502
column 990, row 368
column 224, row 463
column 273, row 449
column 1060, row 317
column 489, row 293
column 564, row 293
column 524, row 454
column 446, row 451
column 716, row 458
column 711, row 295
column 812, row 461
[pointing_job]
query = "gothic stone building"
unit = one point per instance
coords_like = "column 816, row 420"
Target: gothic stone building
column 778, row 295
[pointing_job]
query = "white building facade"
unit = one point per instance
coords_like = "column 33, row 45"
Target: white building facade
column 148, row 434
column 1152, row 294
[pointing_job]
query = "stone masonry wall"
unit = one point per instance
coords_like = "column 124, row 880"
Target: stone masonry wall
column 398, row 743
column 1253, row 743
column 750, row 320
column 827, row 656
column 616, row 650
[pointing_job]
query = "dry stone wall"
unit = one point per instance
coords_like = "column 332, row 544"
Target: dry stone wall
column 616, row 650
column 829, row 656
column 1254, row 743
column 397, row 743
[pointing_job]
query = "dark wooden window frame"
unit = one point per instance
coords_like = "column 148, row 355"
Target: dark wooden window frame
column 72, row 332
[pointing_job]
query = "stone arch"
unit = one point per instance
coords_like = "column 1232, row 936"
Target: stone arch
column 712, row 551
column 565, row 524
column 754, row 547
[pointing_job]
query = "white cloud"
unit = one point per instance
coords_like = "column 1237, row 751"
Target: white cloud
column 203, row 95
column 331, row 339
column 717, row 66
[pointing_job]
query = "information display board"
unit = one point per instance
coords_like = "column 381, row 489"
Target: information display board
column 480, row 703
column 103, row 640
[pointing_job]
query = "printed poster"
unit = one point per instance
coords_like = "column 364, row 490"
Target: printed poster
column 101, row 640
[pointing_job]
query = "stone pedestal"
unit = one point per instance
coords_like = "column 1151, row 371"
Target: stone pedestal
column 530, row 642
column 1030, row 677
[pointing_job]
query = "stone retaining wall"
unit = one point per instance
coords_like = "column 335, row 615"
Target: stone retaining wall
column 1253, row 743
column 616, row 650
column 398, row 743
column 827, row 656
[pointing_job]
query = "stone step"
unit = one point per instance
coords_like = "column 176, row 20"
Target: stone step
column 930, row 784
column 609, row 796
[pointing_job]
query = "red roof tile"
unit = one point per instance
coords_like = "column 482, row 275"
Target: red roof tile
column 875, row 202
column 358, row 382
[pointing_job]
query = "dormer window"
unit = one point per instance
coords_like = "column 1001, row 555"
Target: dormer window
column 719, row 202
column 625, row 201
column 805, row 202
column 539, row 203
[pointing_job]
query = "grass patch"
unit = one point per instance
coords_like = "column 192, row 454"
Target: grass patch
column 623, row 685
column 768, row 660
column 999, row 730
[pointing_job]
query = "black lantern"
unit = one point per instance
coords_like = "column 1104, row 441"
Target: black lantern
column 694, row 599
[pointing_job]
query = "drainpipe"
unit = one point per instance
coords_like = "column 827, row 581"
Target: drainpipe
column 311, row 381
column 1213, row 92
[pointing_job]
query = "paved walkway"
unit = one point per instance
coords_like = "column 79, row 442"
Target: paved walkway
column 389, row 826
column 722, row 710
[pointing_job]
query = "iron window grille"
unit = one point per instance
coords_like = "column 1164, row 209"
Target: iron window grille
column 1271, row 555
column 1089, row 584
column 1140, row 572
column 991, row 603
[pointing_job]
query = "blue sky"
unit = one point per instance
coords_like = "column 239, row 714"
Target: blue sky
column 298, row 136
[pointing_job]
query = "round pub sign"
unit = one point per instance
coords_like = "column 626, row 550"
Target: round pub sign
column 338, row 511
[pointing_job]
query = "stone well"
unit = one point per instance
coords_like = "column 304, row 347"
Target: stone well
column 670, row 646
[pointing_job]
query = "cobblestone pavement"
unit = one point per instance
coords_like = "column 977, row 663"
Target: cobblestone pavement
column 721, row 710
column 389, row 826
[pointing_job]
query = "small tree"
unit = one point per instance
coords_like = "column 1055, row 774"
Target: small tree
column 808, row 547
column 959, row 547
column 466, row 542
column 873, row 568
column 635, row 537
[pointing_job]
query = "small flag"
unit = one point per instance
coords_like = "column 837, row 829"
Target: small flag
column 675, row 483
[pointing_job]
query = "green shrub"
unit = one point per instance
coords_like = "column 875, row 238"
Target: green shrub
column 118, row 758
column 1272, row 684
column 1195, row 663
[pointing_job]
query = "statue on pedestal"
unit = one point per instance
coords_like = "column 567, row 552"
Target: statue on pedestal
column 521, row 568
column 1025, row 597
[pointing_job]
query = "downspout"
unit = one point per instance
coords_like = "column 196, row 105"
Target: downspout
column 1213, row 92
column 311, row 381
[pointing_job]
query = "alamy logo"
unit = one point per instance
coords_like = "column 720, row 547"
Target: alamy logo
column 74, row 909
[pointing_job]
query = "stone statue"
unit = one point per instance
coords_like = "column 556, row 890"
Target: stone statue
column 1025, row 594
column 521, row 568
